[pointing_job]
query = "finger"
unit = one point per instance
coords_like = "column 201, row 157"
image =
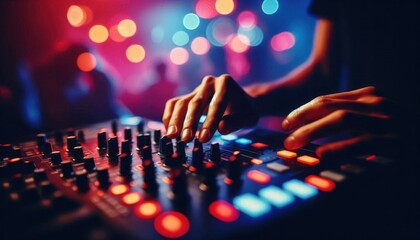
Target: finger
column 167, row 113
column 177, row 117
column 217, row 106
column 354, row 94
column 320, row 107
column 196, row 108
column 334, row 123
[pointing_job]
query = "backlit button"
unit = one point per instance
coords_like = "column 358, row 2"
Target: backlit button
column 251, row 205
column 256, row 161
column 259, row 145
column 229, row 137
column 276, row 196
column 300, row 189
column 278, row 167
column 259, row 177
column 337, row 177
column 131, row 198
column 119, row 189
column 147, row 210
column 223, row 211
column 172, row 224
column 243, row 141
column 307, row 160
column 321, row 183
column 286, row 154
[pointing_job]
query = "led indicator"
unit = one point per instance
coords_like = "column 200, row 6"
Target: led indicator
column 276, row 196
column 119, row 189
column 131, row 198
column 259, row 145
column 258, row 177
column 321, row 183
column 223, row 211
column 286, row 154
column 147, row 210
column 300, row 189
column 251, row 205
column 243, row 141
column 307, row 160
column 256, row 161
column 172, row 224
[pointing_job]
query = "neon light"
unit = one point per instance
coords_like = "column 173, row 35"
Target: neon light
column 86, row 62
column 259, row 145
column 171, row 224
column 223, row 211
column 259, row 177
column 256, row 161
column 321, row 183
column 276, row 196
column 300, row 189
column 147, row 210
column 243, row 141
column 270, row 6
column 251, row 205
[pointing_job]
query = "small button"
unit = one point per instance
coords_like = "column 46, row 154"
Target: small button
column 276, row 196
column 278, row 167
column 259, row 145
column 300, row 189
column 286, row 154
column 147, row 209
column 307, row 160
column 259, row 177
column 337, row 177
column 323, row 184
column 251, row 205
column 223, row 211
column 243, row 141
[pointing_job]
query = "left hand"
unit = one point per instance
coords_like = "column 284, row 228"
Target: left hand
column 372, row 122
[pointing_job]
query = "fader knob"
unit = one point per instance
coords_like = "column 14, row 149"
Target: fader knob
column 47, row 189
column 235, row 167
column 180, row 150
column 71, row 143
column 41, row 139
column 28, row 167
column 40, row 175
column 126, row 147
column 114, row 127
column 67, row 169
column 197, row 159
column 167, row 152
column 17, row 183
column 128, row 134
column 89, row 164
column 102, row 143
column 140, row 127
column 148, row 169
column 103, row 178
column 15, row 165
column 156, row 136
column 215, row 153
column 125, row 166
column 81, row 136
column 143, row 139
column 47, row 149
column 162, row 142
column 113, row 149
column 82, row 181
column 56, row 158
column 198, row 144
column 78, row 154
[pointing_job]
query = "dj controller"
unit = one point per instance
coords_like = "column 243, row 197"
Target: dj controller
column 127, row 180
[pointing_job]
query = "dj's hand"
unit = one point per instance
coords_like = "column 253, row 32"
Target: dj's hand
column 227, row 106
column 373, row 125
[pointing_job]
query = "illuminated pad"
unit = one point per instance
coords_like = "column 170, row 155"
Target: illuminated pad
column 259, row 177
column 119, row 189
column 300, row 189
column 307, row 160
column 276, row 196
column 146, row 210
column 251, row 205
column 131, row 198
column 229, row 137
column 223, row 211
column 321, row 183
column 171, row 224
column 243, row 141
column 286, row 154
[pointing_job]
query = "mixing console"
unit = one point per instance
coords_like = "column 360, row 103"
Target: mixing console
column 127, row 180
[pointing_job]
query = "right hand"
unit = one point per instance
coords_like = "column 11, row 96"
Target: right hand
column 227, row 106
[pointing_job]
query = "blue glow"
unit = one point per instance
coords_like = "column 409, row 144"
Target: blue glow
column 180, row 38
column 254, row 34
column 270, row 6
column 276, row 196
column 157, row 34
column 300, row 189
column 191, row 21
column 130, row 120
column 229, row 137
column 243, row 141
column 251, row 205
column 202, row 119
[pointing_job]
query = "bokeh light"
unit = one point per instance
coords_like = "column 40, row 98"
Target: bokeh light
column 200, row 46
column 206, row 9
column 127, row 27
column 239, row 43
column 86, row 62
column 191, row 21
column 255, row 35
column 247, row 19
column 135, row 53
column 282, row 41
column 225, row 7
column 179, row 55
column 98, row 33
column 115, row 35
column 270, row 6
column 180, row 38
column 219, row 31
column 158, row 34
column 76, row 16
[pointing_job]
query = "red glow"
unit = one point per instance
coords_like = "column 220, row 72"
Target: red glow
column 115, row 35
column 282, row 41
column 119, row 189
column 200, row 46
column 308, row 160
column 86, row 62
column 76, row 16
column 247, row 19
column 259, row 177
column 259, row 145
column 206, row 9
column 223, row 211
column 171, row 224
column 179, row 56
column 321, row 183
column 127, row 27
column 131, row 198
column 147, row 210
column 370, row 158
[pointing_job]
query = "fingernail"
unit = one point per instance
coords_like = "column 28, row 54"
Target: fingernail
column 204, row 135
column 285, row 125
column 172, row 130
column 289, row 143
column 186, row 134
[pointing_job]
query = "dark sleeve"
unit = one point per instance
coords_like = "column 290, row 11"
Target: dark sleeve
column 325, row 9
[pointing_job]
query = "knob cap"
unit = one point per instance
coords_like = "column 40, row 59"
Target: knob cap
column 126, row 147
column 140, row 127
column 167, row 152
column 125, row 166
column 81, row 136
column 157, row 134
column 113, row 149
column 41, row 139
column 103, row 178
column 102, row 143
column 78, row 154
column 149, row 170
column 70, row 132
column 71, row 143
column 89, row 164
column 128, row 134
column 47, row 189
column 215, row 153
column 114, row 127
column 143, row 139
column 56, row 158
column 197, row 159
column 180, row 150
column 234, row 169
column 40, row 175
column 162, row 142
column 67, row 169
column 82, row 181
